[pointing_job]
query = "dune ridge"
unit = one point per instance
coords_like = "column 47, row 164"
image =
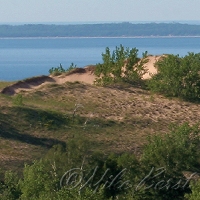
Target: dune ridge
column 85, row 75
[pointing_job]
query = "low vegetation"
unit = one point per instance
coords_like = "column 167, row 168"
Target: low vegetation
column 71, row 172
column 55, row 71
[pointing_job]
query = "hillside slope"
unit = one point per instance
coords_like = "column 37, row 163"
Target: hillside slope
column 114, row 119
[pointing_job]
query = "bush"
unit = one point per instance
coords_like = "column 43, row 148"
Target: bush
column 9, row 188
column 57, row 70
column 168, row 156
column 178, row 77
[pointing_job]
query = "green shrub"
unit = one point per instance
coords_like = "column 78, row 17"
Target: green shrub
column 9, row 188
column 37, row 180
column 168, row 156
column 178, row 77
column 59, row 70
column 71, row 67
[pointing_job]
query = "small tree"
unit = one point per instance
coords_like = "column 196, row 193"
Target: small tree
column 122, row 65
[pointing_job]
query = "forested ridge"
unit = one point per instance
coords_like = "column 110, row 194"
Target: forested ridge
column 124, row 29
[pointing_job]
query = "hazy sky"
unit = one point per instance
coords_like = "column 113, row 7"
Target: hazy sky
column 34, row 11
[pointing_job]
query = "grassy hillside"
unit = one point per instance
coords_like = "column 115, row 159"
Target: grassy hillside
column 112, row 119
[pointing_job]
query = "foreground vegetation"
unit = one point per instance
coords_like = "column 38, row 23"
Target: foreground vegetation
column 71, row 172
column 121, row 141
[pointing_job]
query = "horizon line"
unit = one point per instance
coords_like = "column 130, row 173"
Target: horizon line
column 102, row 22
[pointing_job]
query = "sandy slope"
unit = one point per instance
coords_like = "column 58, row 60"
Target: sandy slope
column 150, row 66
column 85, row 75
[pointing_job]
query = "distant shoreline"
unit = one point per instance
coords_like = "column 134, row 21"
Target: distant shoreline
column 108, row 30
column 106, row 37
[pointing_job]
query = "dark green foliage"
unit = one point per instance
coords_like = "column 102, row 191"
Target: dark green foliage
column 178, row 77
column 9, row 188
column 123, row 65
column 174, row 151
column 168, row 156
column 109, row 174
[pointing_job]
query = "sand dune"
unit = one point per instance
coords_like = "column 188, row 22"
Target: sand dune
column 85, row 75
column 27, row 84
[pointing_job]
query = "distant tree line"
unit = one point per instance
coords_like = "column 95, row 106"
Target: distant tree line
column 124, row 29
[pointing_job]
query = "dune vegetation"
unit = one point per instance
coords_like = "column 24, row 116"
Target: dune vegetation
column 123, row 137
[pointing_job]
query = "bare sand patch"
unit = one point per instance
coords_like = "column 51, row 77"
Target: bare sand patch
column 85, row 75
column 150, row 66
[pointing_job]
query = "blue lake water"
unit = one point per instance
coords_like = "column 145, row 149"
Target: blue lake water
column 23, row 58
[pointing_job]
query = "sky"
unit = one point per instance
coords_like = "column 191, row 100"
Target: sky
column 87, row 11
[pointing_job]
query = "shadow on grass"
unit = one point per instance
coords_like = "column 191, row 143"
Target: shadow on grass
column 9, row 132
column 128, row 87
column 41, row 118
column 18, row 119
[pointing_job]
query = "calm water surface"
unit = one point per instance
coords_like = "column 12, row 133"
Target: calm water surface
column 23, row 58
